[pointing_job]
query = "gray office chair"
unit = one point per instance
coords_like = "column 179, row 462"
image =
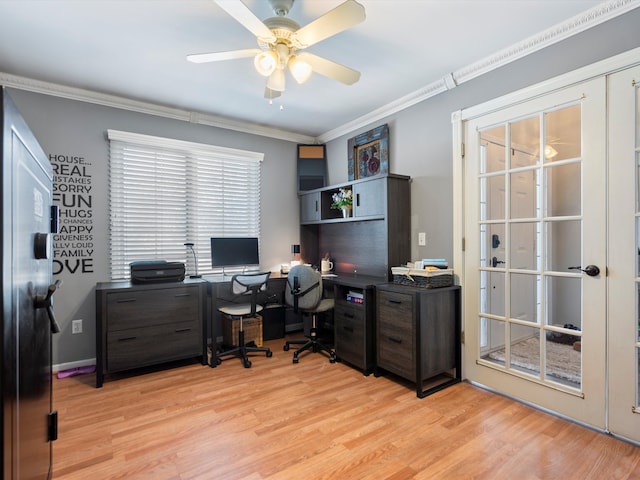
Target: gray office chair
column 304, row 294
column 243, row 285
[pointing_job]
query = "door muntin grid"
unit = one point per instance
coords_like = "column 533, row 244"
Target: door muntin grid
column 530, row 234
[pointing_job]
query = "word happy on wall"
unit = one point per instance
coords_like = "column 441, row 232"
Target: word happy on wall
column 73, row 244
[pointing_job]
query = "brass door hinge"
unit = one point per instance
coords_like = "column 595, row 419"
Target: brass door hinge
column 462, row 337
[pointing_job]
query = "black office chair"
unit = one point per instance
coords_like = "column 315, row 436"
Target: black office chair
column 249, row 284
column 304, row 293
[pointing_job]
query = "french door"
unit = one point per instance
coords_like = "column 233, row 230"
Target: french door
column 551, row 269
column 535, row 278
column 624, row 254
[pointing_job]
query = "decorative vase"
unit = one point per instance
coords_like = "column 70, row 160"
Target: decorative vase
column 346, row 212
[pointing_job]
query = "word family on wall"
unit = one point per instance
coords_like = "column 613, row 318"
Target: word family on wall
column 73, row 244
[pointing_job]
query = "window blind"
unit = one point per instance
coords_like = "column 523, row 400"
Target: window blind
column 164, row 193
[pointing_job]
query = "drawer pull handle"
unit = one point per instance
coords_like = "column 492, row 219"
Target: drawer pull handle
column 182, row 330
column 349, row 315
column 397, row 302
column 182, row 295
column 348, row 329
column 127, row 300
column 395, row 339
column 126, row 339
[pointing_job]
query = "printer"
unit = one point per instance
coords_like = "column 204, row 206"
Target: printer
column 156, row 271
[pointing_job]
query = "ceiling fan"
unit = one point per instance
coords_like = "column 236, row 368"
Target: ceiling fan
column 280, row 40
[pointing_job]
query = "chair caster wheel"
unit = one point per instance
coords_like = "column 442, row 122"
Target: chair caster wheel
column 269, row 353
column 286, row 348
column 247, row 364
column 332, row 359
column 295, row 359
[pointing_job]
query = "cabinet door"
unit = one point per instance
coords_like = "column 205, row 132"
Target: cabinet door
column 349, row 334
column 310, row 207
column 395, row 333
column 369, row 198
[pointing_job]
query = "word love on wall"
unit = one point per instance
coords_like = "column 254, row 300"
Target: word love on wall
column 73, row 244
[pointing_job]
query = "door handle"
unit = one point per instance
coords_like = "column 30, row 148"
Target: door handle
column 495, row 262
column 591, row 270
column 46, row 301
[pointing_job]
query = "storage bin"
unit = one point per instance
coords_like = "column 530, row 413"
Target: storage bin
column 252, row 330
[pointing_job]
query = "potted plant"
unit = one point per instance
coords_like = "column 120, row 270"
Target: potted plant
column 343, row 200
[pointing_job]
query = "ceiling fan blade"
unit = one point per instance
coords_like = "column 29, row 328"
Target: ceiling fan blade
column 330, row 69
column 344, row 16
column 218, row 56
column 247, row 19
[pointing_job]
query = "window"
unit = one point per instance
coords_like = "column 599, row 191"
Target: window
column 164, row 193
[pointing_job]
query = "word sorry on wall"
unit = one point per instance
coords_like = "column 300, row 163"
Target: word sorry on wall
column 73, row 244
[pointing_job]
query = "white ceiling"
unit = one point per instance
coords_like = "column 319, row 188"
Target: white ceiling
column 135, row 49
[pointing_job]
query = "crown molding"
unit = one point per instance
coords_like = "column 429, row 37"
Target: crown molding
column 148, row 108
column 579, row 23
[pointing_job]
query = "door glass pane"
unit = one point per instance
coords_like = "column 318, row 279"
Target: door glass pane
column 524, row 251
column 524, row 295
column 638, row 377
column 525, row 349
column 525, row 142
column 492, row 340
column 563, row 360
column 492, row 150
column 563, row 138
column 523, row 197
column 563, row 190
column 563, row 301
column 638, row 313
column 491, row 244
column 637, row 122
column 492, row 197
column 492, row 293
column 562, row 239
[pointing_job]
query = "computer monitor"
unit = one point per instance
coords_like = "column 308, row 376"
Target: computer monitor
column 234, row 252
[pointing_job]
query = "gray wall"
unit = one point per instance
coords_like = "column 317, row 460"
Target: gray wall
column 421, row 136
column 420, row 146
column 76, row 129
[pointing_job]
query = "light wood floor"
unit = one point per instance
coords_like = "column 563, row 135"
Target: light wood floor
column 313, row 420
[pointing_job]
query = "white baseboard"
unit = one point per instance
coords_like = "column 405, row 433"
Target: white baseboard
column 67, row 366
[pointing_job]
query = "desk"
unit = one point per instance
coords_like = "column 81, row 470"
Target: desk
column 353, row 324
column 354, row 318
column 220, row 293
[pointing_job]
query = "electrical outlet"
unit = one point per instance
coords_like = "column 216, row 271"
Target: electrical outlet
column 422, row 239
column 76, row 326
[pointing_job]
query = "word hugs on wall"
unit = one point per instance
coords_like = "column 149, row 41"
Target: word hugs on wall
column 73, row 244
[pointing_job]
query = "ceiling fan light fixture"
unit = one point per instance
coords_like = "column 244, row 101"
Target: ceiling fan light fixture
column 300, row 70
column 276, row 80
column 266, row 62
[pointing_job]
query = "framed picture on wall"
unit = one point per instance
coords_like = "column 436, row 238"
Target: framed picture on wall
column 369, row 153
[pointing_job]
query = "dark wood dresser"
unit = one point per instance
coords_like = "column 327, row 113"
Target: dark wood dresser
column 150, row 324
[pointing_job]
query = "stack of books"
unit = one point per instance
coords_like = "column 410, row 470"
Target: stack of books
column 432, row 262
column 355, row 297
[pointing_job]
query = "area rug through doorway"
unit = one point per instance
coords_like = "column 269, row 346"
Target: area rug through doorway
column 563, row 362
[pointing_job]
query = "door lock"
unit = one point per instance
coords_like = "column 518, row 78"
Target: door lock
column 495, row 262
